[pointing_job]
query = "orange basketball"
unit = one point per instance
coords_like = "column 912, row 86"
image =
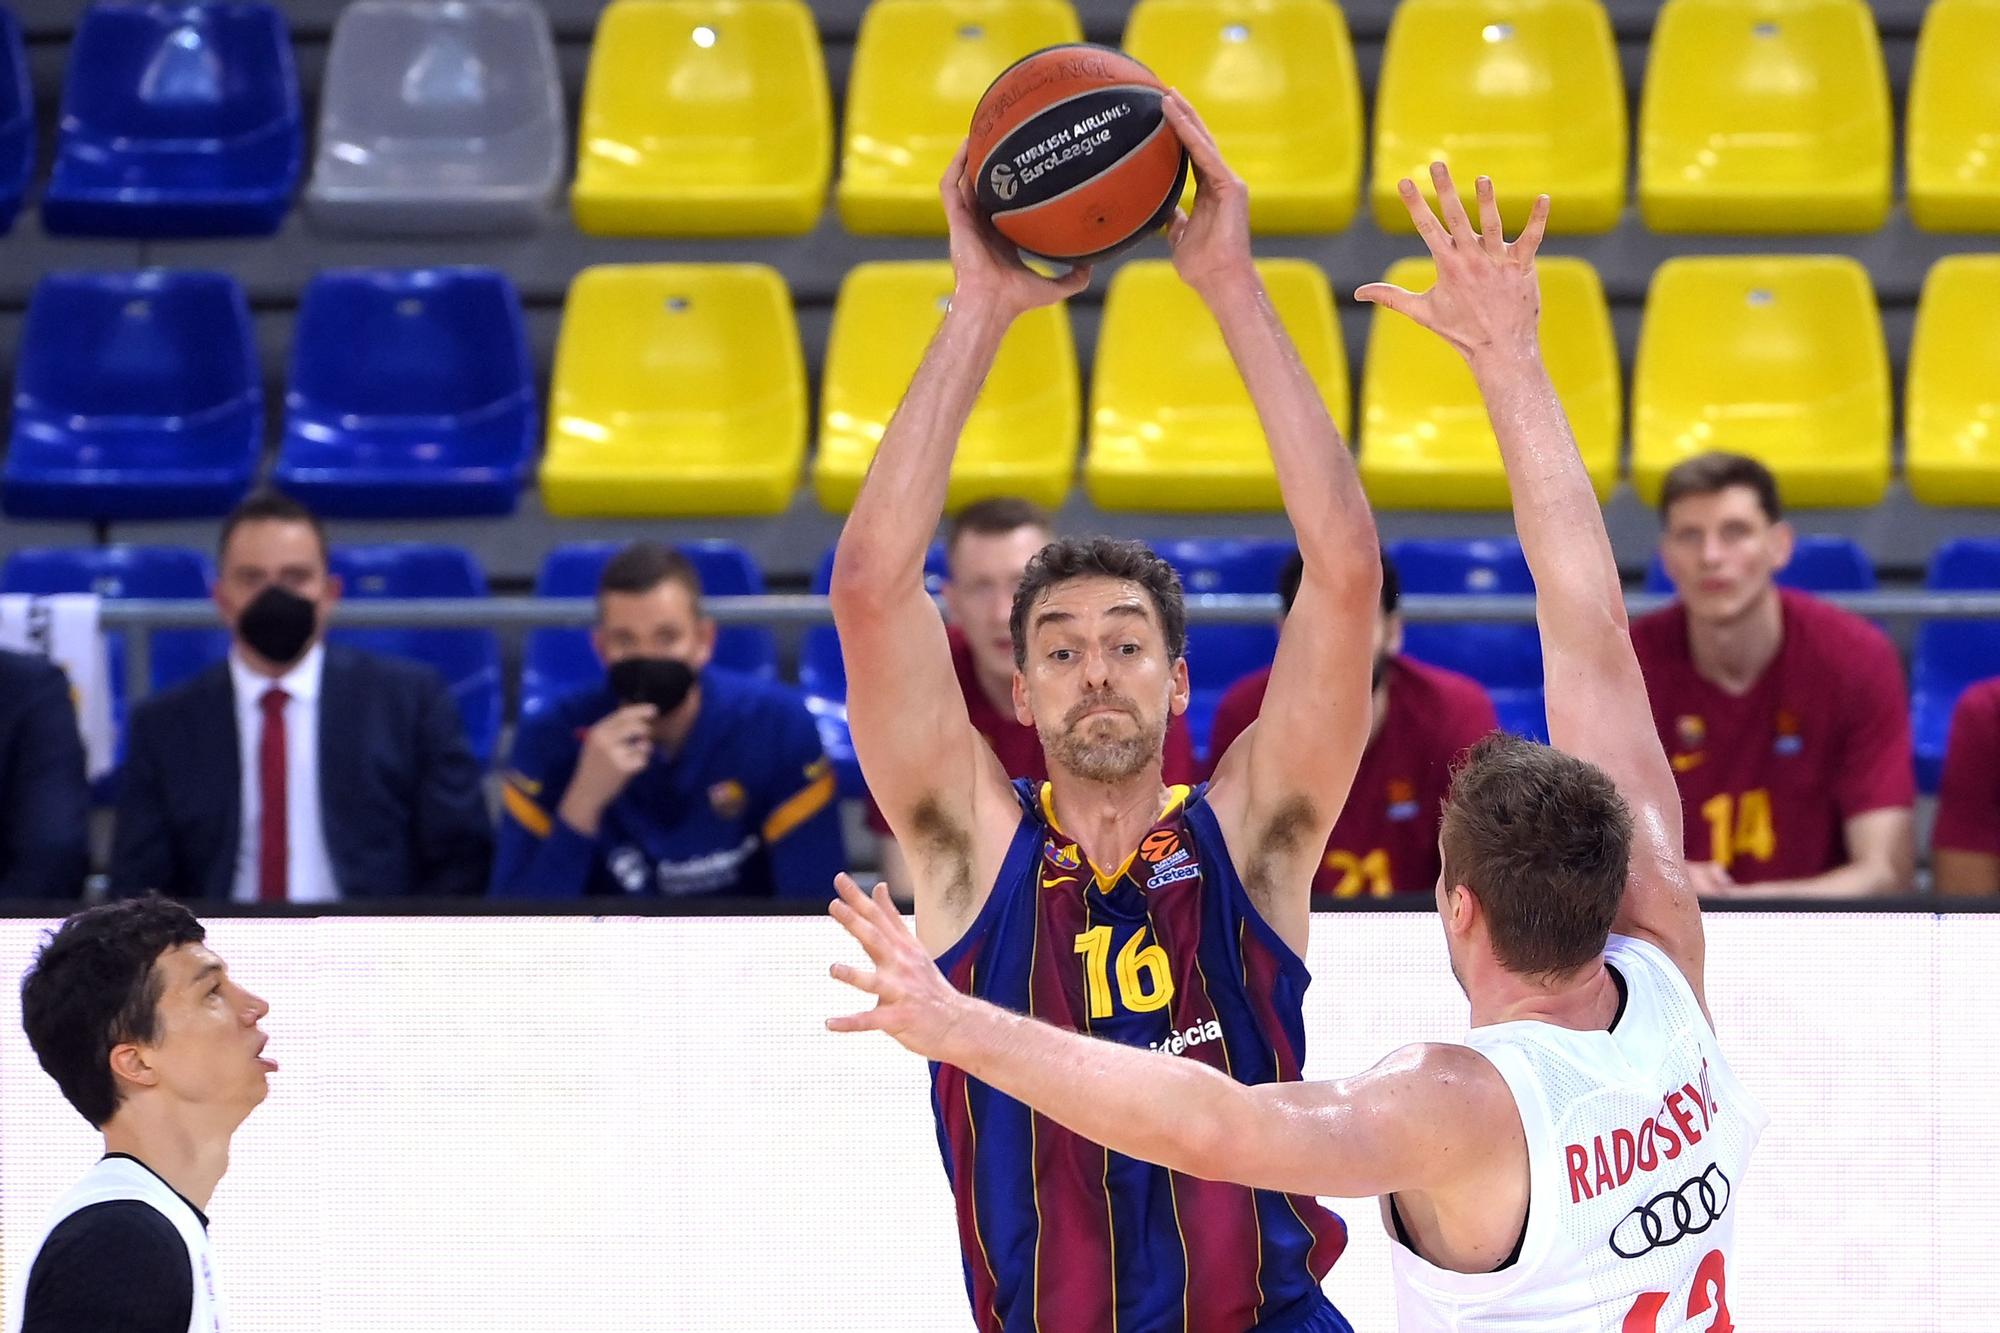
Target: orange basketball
column 1071, row 156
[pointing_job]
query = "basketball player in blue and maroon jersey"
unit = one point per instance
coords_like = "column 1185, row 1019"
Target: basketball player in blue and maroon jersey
column 1103, row 901
column 1524, row 1173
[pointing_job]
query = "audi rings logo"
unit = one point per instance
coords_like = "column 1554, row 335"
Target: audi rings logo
column 1665, row 1219
column 1001, row 178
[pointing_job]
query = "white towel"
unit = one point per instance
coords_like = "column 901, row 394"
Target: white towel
column 64, row 629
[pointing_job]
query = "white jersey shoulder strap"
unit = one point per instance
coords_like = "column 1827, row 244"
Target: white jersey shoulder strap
column 119, row 1179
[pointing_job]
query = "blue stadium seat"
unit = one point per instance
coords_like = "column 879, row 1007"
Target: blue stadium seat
column 136, row 395
column 128, row 572
column 468, row 659
column 1505, row 658
column 1951, row 654
column 412, row 395
column 1819, row 564
column 177, row 120
column 561, row 660
column 1217, row 655
column 823, row 676
column 17, row 121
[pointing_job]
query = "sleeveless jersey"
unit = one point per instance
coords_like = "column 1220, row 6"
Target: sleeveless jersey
column 114, row 1179
column 1638, row 1140
column 1060, row 1235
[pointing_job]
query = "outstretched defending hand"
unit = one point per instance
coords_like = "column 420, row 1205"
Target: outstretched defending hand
column 913, row 1001
column 1485, row 300
column 987, row 266
column 1212, row 245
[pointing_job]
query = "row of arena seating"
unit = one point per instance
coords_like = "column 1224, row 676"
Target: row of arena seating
column 706, row 117
column 1949, row 655
column 681, row 390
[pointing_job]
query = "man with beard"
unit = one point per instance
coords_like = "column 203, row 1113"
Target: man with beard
column 297, row 771
column 1102, row 900
column 1423, row 719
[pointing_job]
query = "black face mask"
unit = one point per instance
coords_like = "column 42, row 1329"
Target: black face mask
column 660, row 681
column 278, row 624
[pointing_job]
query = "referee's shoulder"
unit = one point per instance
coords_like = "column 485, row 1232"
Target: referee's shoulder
column 122, row 1254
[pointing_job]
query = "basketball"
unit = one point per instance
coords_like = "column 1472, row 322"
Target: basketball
column 1071, row 157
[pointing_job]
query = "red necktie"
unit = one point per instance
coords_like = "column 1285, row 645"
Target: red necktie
column 271, row 849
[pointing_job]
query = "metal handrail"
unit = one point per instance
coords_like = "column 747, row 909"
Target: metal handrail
column 141, row 616
column 804, row 609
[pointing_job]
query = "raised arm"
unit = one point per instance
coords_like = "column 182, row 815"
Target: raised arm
column 1415, row 1121
column 1486, row 303
column 935, row 780
column 1284, row 780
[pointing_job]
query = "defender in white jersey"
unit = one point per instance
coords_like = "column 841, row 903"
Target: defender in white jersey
column 1574, row 1165
column 143, row 1029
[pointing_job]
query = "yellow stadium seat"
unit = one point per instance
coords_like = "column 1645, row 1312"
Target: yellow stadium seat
column 704, row 118
column 1954, row 118
column 1275, row 81
column 678, row 389
column 1778, row 358
column 1764, row 116
column 1952, row 439
column 1525, row 91
column 1171, row 425
column 1022, row 436
column 1425, row 439
column 919, row 68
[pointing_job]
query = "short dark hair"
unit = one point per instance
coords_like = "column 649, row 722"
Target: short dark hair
column 994, row 517
column 1295, row 570
column 94, row 986
column 1545, row 841
column 1710, row 473
column 269, row 506
column 1069, row 558
column 644, row 566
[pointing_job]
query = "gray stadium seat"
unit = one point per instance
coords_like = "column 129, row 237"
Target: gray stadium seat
column 438, row 118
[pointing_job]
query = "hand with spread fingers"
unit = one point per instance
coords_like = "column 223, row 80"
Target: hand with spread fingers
column 986, row 265
column 913, row 1001
column 1211, row 246
column 1485, row 301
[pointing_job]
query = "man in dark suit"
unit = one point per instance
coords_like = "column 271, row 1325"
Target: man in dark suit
column 297, row 771
column 44, row 796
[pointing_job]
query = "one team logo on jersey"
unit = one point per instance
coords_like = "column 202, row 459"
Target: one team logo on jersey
column 1787, row 742
column 1064, row 856
column 1168, row 860
column 727, row 798
column 1692, row 733
column 1669, row 1218
column 1402, row 799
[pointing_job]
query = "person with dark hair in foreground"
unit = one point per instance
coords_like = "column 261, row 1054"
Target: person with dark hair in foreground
column 1422, row 719
column 154, row 1043
column 673, row 777
column 1524, row 1175
column 1104, row 900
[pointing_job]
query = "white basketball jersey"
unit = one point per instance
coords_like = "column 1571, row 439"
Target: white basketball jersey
column 1638, row 1139
column 119, row 1178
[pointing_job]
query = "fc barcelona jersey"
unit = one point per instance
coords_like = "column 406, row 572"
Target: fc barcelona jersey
column 1060, row 1235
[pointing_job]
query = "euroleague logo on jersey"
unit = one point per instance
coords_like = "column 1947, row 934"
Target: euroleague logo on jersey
column 1667, row 1219
column 1171, row 862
